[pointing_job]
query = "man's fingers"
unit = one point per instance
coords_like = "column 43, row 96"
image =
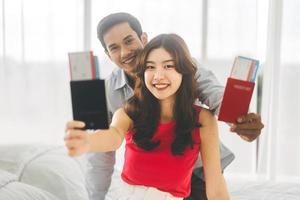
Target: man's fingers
column 249, row 132
column 247, row 126
column 250, row 121
column 250, row 117
column 248, row 138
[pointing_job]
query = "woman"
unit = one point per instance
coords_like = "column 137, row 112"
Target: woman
column 163, row 129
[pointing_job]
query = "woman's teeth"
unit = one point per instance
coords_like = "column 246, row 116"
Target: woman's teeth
column 161, row 86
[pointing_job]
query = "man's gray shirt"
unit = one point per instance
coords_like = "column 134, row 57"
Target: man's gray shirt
column 118, row 91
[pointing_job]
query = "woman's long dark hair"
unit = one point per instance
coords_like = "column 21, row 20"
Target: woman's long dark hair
column 144, row 109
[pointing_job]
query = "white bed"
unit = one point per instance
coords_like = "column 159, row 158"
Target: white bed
column 264, row 190
column 37, row 172
column 241, row 189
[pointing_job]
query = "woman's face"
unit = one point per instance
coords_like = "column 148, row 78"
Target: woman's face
column 161, row 77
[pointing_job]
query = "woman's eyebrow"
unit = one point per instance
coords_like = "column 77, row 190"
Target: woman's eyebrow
column 170, row 60
column 148, row 61
column 165, row 61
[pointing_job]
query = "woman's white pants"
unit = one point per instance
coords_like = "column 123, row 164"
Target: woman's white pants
column 136, row 192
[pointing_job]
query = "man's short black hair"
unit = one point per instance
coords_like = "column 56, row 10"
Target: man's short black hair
column 117, row 18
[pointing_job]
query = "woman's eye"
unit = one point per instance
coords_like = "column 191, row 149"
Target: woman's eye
column 169, row 66
column 149, row 67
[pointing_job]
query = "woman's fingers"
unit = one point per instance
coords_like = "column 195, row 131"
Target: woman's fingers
column 74, row 125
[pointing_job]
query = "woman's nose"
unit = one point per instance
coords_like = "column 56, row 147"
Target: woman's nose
column 159, row 74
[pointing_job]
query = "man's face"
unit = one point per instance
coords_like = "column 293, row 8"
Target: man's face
column 123, row 45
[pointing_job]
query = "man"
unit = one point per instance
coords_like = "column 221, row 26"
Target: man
column 122, row 38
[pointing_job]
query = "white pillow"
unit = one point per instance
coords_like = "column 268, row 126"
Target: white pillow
column 57, row 173
column 46, row 167
column 10, row 189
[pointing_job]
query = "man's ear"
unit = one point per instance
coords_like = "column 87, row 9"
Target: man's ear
column 144, row 38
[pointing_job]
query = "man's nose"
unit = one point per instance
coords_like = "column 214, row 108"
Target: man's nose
column 125, row 51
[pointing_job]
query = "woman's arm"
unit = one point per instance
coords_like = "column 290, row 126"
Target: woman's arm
column 79, row 141
column 210, row 154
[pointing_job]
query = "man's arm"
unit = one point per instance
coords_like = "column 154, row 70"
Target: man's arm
column 209, row 90
column 210, row 93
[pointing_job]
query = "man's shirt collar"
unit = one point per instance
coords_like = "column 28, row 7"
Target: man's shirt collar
column 121, row 80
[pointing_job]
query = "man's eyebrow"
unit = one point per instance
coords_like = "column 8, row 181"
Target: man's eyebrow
column 112, row 45
column 127, row 37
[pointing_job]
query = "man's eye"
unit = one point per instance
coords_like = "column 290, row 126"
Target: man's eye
column 113, row 48
column 129, row 41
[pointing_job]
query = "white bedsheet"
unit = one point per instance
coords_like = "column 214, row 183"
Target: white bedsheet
column 36, row 172
column 240, row 190
column 264, row 190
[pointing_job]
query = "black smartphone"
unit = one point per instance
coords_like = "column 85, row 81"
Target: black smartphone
column 89, row 103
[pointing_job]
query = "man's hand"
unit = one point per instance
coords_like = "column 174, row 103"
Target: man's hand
column 76, row 140
column 248, row 127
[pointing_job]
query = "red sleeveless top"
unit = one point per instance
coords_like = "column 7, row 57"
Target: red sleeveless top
column 159, row 168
